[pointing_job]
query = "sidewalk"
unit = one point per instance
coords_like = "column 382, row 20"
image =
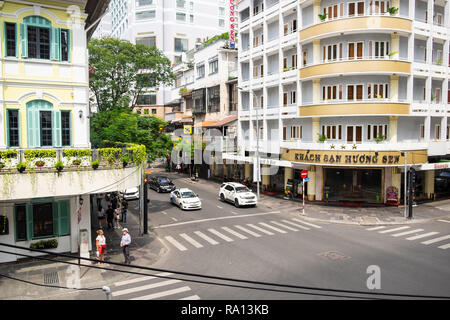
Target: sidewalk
column 330, row 213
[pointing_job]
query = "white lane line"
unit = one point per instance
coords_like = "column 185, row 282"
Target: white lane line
column 163, row 294
column 260, row 229
column 422, row 236
column 248, row 231
column 163, row 212
column 284, row 226
column 273, row 228
column 406, row 232
column 445, row 246
column 376, row 228
column 205, row 237
column 444, row 221
column 140, row 279
column 174, row 219
column 295, row 224
column 436, row 240
column 219, row 207
column 146, row 287
column 178, row 245
column 237, row 234
column 234, row 212
column 307, row 223
column 195, row 297
column 214, row 219
column 220, row 235
column 190, row 240
column 393, row 230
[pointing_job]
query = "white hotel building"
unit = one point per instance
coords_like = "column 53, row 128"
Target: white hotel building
column 345, row 95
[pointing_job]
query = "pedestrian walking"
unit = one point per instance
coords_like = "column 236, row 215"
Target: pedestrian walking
column 124, row 210
column 125, row 244
column 100, row 216
column 114, row 202
column 117, row 218
column 110, row 217
column 101, row 245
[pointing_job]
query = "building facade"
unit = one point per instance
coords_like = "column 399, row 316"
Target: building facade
column 346, row 90
column 44, row 126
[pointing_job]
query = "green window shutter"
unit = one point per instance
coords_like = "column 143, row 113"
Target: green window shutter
column 33, row 138
column 55, row 218
column 23, row 40
column 69, row 47
column 55, row 44
column 29, row 221
column 57, row 128
column 7, row 128
column 64, row 217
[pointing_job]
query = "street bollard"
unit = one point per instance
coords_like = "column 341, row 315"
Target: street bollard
column 107, row 291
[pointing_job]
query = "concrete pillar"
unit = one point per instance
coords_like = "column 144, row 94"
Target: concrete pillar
column 288, row 174
column 393, row 129
column 427, row 128
column 316, row 11
column 393, row 88
column 315, row 129
column 319, row 183
column 311, row 192
column 316, row 91
column 265, row 179
column 316, row 51
column 248, row 171
column 395, row 44
column 429, row 184
column 396, row 179
column 225, row 171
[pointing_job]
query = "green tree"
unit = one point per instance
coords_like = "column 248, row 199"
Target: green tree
column 120, row 70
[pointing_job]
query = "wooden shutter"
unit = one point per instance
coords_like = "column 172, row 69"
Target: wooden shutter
column 359, row 50
column 358, row 133
column 286, row 29
column 285, row 98
column 55, row 44
column 368, row 131
column 284, row 133
column 23, row 40
column 57, row 128
column 351, row 51
column 351, row 9
column 29, row 213
column 63, row 217
column 350, row 92
column 33, row 135
column 359, row 92
column 360, row 8
column 349, row 134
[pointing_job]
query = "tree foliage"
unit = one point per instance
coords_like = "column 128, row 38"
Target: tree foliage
column 121, row 70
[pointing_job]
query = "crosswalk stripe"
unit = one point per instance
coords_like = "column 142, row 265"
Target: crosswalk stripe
column 178, row 245
column 307, row 223
column 393, row 230
column 376, row 228
column 146, row 287
column 444, row 221
column 195, row 297
column 260, row 229
column 406, row 232
column 140, row 279
column 220, row 235
column 436, row 240
column 248, row 231
column 295, row 224
column 284, row 226
column 422, row 235
column 163, row 294
column 273, row 228
column 445, row 246
column 237, row 234
column 205, row 237
column 190, row 240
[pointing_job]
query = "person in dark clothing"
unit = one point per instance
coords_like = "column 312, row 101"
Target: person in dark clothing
column 124, row 210
column 114, row 202
column 110, row 217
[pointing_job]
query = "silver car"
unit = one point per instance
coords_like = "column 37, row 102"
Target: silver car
column 186, row 199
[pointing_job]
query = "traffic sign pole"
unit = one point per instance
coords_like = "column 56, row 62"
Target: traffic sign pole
column 303, row 196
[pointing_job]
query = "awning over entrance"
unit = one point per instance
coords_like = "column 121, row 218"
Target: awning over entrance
column 204, row 124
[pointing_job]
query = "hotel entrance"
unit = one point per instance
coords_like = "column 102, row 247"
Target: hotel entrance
column 361, row 185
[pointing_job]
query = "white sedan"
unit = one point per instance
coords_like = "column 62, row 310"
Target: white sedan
column 186, row 199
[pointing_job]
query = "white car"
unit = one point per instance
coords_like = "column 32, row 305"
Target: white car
column 238, row 194
column 130, row 194
column 186, row 199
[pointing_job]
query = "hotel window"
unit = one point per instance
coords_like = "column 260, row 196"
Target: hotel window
column 147, row 41
column 221, row 23
column 191, row 18
column 332, row 92
column 378, row 91
column 296, row 132
column 332, row 132
column 448, row 132
column 200, row 71
column 332, row 52
column 221, row 11
column 214, row 99
column 286, row 29
column 38, row 42
column 143, row 15
column 305, row 57
column 214, row 66
column 354, row 92
column 289, row 98
column 437, row 132
column 378, row 7
column 191, row 6
column 181, row 16
column 378, row 49
column 373, row 131
column 65, row 45
column 355, row 50
column 334, row 11
column 294, row 25
column 354, row 134
column 422, row 131
column 13, row 128
column 355, row 8
column 437, row 95
column 294, row 61
column 46, row 128
column 293, row 97
column 181, row 45
column 65, row 128
column 10, row 35
column 181, row 4
column 141, row 3
column 146, row 99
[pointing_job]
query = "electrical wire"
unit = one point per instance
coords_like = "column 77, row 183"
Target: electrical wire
column 240, row 280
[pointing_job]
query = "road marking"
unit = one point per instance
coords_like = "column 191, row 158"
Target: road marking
column 445, row 246
column 237, row 234
column 297, row 225
column 163, row 212
column 234, row 212
column 444, row 221
column 213, row 219
column 220, row 235
column 284, row 226
column 195, row 297
column 204, row 236
column 436, row 240
column 248, row 231
column 376, row 228
column 307, row 223
column 273, row 228
column 190, row 240
column 140, row 279
column 260, row 229
column 178, row 245
column 219, row 207
column 163, row 294
column 406, row 232
column 393, row 230
column 422, row 235
column 174, row 219
column 146, row 287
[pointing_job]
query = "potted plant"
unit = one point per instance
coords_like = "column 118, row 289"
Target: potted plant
column 125, row 161
column 39, row 163
column 322, row 16
column 380, row 137
column 322, row 138
column 59, row 166
column 391, row 54
column 76, row 162
column 95, row 164
column 392, row 10
column 21, row 167
column 2, row 165
column 438, row 62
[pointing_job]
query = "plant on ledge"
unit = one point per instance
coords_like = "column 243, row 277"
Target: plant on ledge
column 322, row 16
column 392, row 10
column 59, row 166
column 2, row 165
column 39, row 163
column 125, row 161
column 21, row 167
column 45, row 244
column 76, row 162
column 380, row 137
column 95, row 164
column 322, row 138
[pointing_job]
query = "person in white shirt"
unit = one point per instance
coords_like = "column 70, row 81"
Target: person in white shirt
column 117, row 218
column 125, row 244
column 101, row 245
column 100, row 216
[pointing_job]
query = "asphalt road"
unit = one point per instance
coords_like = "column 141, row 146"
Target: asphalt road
column 273, row 246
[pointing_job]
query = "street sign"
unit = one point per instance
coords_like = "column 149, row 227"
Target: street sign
column 304, row 174
column 187, row 129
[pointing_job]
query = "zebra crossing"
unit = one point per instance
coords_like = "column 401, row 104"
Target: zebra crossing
column 414, row 234
column 211, row 236
column 153, row 287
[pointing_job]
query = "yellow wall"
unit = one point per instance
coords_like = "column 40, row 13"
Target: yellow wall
column 354, row 108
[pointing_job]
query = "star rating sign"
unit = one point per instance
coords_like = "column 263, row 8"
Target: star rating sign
column 354, row 146
column 332, row 146
column 343, row 146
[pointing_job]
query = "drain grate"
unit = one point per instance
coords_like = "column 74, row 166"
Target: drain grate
column 51, row 278
column 334, row 255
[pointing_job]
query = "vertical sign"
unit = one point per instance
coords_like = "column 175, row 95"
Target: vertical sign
column 232, row 25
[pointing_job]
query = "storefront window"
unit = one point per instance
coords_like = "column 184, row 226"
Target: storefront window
column 42, row 220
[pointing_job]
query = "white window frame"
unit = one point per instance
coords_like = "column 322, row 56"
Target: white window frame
column 384, row 90
column 373, row 54
column 374, row 129
column 355, row 3
column 334, row 135
column 339, row 92
column 355, row 91
column 354, row 133
column 327, row 50
column 376, row 10
column 437, row 131
column 296, row 132
column 355, row 50
column 293, row 97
